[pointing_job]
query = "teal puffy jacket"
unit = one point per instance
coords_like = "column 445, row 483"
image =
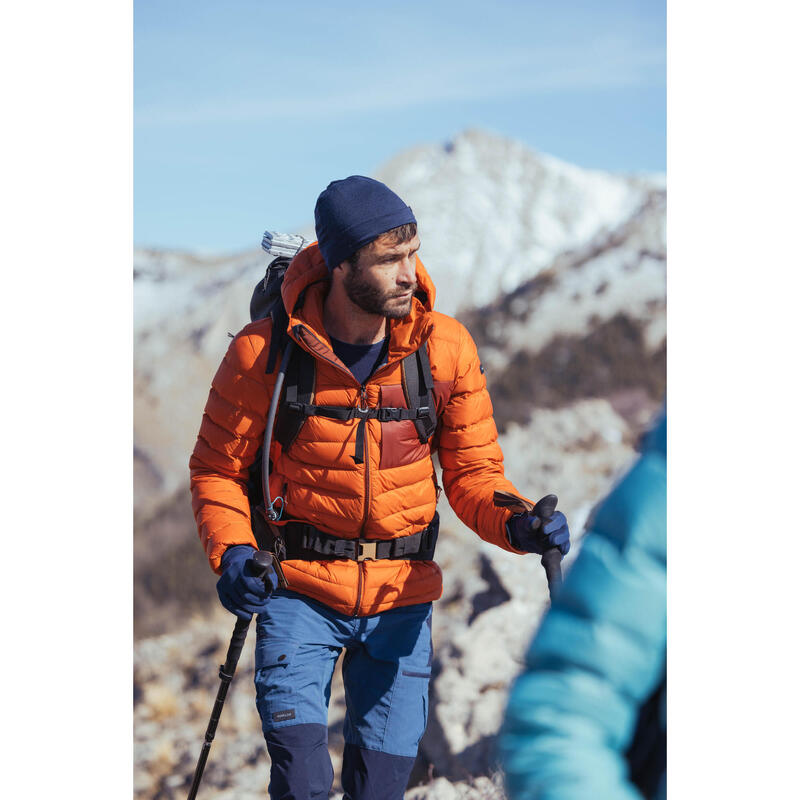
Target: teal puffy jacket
column 587, row 717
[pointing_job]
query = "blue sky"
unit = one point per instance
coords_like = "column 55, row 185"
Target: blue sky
column 244, row 111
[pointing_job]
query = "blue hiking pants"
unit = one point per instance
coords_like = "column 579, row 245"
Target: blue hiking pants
column 386, row 671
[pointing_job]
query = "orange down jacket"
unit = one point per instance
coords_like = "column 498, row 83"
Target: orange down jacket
column 393, row 492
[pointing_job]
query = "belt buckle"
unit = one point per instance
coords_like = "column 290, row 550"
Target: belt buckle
column 367, row 551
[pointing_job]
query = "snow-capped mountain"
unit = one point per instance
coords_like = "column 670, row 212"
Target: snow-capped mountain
column 492, row 213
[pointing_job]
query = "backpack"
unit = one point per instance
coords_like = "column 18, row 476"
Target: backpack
column 290, row 408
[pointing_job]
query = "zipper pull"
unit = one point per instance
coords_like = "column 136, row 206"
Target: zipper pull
column 358, row 458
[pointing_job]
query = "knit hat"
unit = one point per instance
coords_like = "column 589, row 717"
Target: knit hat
column 353, row 212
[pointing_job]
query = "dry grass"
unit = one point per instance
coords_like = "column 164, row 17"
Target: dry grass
column 161, row 702
column 164, row 756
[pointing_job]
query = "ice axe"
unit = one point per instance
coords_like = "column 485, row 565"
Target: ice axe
column 545, row 508
column 263, row 560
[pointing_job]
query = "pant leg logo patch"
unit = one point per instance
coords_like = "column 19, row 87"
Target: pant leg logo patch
column 282, row 716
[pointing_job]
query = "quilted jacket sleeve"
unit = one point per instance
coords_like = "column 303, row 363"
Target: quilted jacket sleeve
column 230, row 435
column 599, row 652
column 471, row 459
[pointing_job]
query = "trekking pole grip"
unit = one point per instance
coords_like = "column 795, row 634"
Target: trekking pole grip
column 551, row 558
column 264, row 560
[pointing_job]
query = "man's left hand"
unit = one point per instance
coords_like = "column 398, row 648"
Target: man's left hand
column 533, row 534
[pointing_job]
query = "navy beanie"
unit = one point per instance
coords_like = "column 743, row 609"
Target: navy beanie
column 353, row 212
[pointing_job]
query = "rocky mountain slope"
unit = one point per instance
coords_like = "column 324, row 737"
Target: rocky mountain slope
column 559, row 273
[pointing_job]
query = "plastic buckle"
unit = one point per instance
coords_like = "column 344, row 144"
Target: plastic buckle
column 367, row 551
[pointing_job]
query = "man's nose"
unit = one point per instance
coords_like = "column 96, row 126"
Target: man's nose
column 408, row 269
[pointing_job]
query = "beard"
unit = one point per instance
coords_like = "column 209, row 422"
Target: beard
column 373, row 300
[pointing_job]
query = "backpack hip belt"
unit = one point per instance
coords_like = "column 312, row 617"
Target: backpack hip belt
column 304, row 542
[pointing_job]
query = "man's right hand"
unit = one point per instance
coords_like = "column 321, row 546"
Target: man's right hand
column 240, row 588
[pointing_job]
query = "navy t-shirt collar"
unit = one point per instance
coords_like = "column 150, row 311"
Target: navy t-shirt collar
column 361, row 359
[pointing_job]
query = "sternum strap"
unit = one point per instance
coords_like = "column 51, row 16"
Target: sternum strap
column 300, row 389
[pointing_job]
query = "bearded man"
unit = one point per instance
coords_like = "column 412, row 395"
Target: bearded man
column 390, row 382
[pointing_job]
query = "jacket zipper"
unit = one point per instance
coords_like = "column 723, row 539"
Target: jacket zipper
column 363, row 404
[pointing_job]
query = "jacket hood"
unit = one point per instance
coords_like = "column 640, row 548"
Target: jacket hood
column 308, row 275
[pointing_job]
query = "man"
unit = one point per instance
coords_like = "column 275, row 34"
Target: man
column 358, row 492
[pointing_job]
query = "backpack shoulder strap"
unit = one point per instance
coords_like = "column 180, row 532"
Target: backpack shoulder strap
column 298, row 388
column 418, row 389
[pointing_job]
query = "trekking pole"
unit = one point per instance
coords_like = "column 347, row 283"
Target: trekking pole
column 551, row 558
column 263, row 560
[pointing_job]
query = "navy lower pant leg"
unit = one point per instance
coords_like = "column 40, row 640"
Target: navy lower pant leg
column 370, row 775
column 301, row 765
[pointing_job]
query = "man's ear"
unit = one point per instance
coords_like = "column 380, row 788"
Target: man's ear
column 343, row 268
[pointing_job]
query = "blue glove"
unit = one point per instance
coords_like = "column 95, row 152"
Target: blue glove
column 535, row 535
column 239, row 588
